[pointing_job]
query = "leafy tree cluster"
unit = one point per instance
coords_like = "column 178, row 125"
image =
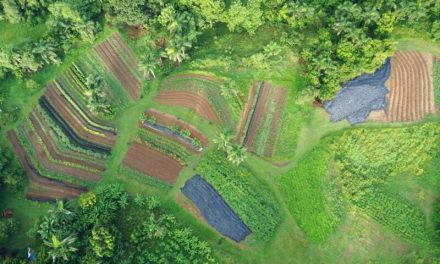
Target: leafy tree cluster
column 109, row 226
column 10, row 174
column 68, row 22
column 98, row 100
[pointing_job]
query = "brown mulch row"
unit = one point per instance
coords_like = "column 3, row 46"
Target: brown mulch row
column 119, row 68
column 53, row 98
column 42, row 187
column 170, row 120
column 411, row 95
column 152, row 163
column 55, row 153
column 189, row 99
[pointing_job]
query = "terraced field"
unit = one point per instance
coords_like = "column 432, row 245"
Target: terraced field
column 411, row 95
column 65, row 141
column 200, row 93
column 120, row 60
column 260, row 123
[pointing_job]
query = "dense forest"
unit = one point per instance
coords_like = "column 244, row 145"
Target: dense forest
column 335, row 41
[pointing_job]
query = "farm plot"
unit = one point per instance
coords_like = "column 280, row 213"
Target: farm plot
column 120, row 60
column 174, row 129
column 249, row 198
column 260, row 123
column 42, row 188
column 157, row 156
column 151, row 162
column 411, row 94
column 201, row 94
column 214, row 209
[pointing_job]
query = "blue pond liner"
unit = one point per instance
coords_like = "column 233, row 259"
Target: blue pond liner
column 214, row 209
column 360, row 96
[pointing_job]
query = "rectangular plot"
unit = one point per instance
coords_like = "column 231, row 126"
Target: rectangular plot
column 214, row 209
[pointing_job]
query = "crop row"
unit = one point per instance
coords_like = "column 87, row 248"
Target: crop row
column 248, row 197
column 166, row 146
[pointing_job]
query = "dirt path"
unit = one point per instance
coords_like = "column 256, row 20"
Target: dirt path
column 152, row 163
column 189, row 99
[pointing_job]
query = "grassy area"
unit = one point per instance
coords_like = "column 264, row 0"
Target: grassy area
column 303, row 189
column 436, row 76
column 15, row 35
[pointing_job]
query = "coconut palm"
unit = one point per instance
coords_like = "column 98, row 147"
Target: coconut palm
column 236, row 154
column 223, row 141
column 60, row 248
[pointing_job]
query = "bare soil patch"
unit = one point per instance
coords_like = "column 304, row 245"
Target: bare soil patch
column 152, row 163
column 411, row 95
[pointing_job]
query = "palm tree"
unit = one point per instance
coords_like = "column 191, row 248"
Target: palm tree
column 223, row 141
column 60, row 248
column 236, row 154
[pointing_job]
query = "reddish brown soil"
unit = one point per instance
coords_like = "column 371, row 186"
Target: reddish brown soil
column 280, row 95
column 152, row 163
column 191, row 100
column 116, row 65
column 411, row 94
column 100, row 162
column 170, row 120
column 247, row 109
column 257, row 117
column 57, row 102
column 118, row 43
column 78, row 173
column 46, row 188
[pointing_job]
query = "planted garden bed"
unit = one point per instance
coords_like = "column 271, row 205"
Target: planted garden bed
column 42, row 187
column 260, row 123
column 202, row 94
column 119, row 59
column 214, row 209
column 151, row 162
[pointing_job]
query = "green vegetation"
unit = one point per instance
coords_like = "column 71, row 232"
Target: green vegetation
column 436, row 76
column 303, row 190
column 91, row 230
column 247, row 196
column 370, row 159
column 330, row 194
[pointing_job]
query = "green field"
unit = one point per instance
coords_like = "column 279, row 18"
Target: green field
column 331, row 192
